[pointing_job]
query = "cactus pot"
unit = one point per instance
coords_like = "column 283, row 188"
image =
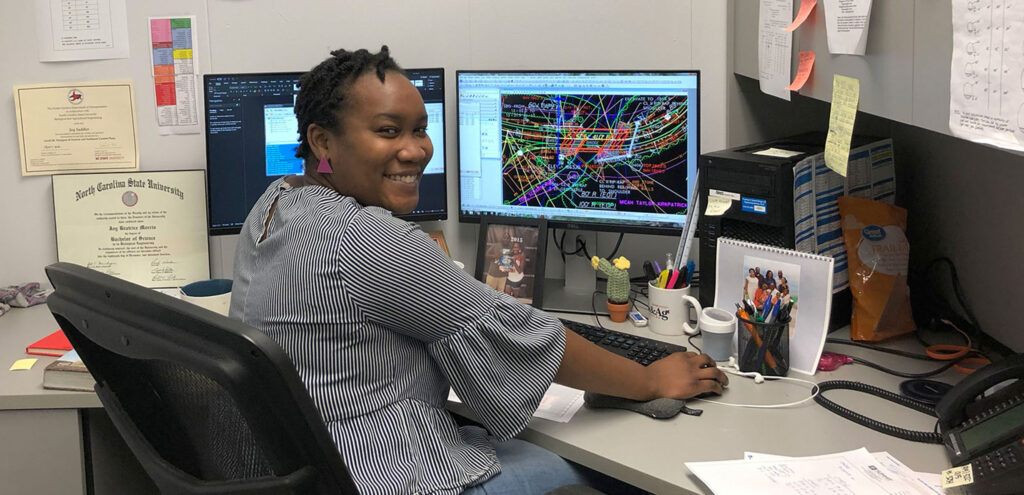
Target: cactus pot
column 617, row 312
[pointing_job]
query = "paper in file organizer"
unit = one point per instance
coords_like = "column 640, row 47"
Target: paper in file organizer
column 808, row 277
column 870, row 174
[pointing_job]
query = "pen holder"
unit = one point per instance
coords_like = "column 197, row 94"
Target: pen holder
column 763, row 347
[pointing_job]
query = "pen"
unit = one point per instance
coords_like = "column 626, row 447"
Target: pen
column 663, row 279
column 774, row 309
column 690, row 267
column 684, row 274
column 753, row 333
column 657, row 267
column 671, row 284
column 784, row 312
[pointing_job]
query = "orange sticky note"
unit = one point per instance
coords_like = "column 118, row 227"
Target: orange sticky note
column 806, row 6
column 803, row 71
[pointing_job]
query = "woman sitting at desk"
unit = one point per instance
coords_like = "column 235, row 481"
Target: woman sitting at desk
column 379, row 323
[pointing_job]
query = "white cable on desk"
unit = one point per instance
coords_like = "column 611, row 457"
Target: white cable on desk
column 731, row 369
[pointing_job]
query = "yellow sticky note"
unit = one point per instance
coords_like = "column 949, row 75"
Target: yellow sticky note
column 23, row 364
column 182, row 53
column 845, row 96
column 717, row 205
column 956, row 476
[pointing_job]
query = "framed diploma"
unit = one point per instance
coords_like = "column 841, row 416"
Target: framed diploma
column 145, row 227
column 78, row 127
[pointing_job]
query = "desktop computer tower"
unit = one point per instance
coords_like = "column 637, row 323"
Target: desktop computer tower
column 758, row 178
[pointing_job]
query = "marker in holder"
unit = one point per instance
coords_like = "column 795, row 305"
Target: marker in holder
column 763, row 347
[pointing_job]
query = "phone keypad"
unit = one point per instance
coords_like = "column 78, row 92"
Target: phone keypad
column 1010, row 456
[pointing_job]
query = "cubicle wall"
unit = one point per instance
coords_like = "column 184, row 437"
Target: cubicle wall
column 963, row 198
column 277, row 35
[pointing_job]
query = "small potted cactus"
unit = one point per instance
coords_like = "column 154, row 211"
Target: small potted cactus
column 617, row 271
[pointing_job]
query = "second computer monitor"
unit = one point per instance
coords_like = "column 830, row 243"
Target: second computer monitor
column 610, row 150
column 252, row 135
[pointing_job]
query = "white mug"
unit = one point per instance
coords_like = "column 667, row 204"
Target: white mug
column 717, row 326
column 670, row 310
column 214, row 294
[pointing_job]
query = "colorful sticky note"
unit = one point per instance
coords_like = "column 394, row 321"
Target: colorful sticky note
column 806, row 6
column 160, row 30
column 845, row 96
column 23, row 364
column 803, row 71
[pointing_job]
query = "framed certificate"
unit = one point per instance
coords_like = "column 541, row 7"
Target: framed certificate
column 145, row 227
column 76, row 127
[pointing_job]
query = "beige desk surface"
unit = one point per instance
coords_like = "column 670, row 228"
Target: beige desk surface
column 650, row 453
column 646, row 452
column 24, row 389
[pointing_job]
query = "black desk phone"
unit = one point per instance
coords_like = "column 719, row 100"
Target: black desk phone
column 987, row 432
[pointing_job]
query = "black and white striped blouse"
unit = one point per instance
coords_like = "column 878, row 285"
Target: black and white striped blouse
column 379, row 322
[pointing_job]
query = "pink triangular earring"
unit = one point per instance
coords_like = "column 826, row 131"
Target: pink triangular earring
column 324, row 167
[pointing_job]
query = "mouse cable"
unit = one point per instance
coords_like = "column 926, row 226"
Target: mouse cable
column 814, row 388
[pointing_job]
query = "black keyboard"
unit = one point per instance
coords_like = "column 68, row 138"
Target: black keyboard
column 640, row 349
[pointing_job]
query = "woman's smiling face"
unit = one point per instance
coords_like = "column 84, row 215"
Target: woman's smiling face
column 379, row 154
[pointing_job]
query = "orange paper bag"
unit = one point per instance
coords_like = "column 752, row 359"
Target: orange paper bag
column 878, row 254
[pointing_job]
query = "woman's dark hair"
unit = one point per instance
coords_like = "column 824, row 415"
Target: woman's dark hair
column 324, row 90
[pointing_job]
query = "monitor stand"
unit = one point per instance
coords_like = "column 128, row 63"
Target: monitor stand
column 575, row 293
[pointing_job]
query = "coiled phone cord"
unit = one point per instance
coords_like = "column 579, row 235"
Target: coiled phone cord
column 912, row 435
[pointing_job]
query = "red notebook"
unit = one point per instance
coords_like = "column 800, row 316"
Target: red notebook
column 55, row 344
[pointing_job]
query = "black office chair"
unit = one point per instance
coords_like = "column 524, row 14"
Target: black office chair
column 208, row 404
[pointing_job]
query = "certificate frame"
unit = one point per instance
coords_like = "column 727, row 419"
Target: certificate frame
column 149, row 228
column 531, row 235
column 77, row 127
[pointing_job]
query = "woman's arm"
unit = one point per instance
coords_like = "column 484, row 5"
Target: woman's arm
column 681, row 375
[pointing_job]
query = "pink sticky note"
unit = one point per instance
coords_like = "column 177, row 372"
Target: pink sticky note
column 806, row 6
column 160, row 30
column 803, row 71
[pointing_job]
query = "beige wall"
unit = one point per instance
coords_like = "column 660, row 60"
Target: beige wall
column 280, row 35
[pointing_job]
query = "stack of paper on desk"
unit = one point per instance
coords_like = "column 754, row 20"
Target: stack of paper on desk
column 559, row 404
column 855, row 471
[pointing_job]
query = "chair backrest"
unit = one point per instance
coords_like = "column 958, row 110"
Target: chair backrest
column 207, row 403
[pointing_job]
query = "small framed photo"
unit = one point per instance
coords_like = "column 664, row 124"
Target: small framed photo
column 510, row 256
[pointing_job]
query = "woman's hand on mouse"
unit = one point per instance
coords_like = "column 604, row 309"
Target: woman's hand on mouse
column 682, row 375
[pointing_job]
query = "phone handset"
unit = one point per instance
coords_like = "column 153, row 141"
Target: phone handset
column 981, row 430
column 952, row 410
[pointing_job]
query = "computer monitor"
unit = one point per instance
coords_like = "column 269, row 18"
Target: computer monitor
column 252, row 134
column 595, row 150
column 587, row 150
